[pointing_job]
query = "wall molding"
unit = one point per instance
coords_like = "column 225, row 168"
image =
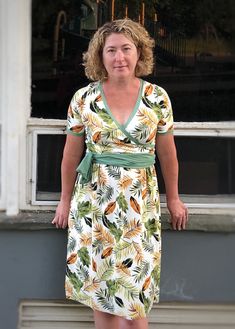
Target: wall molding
column 37, row 314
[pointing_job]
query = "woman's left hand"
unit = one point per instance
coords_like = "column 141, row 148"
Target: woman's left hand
column 179, row 214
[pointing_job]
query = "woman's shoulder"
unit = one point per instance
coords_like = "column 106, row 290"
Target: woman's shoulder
column 91, row 89
column 153, row 89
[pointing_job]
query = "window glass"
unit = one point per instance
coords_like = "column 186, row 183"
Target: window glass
column 194, row 52
column 49, row 156
column 207, row 166
column 208, row 170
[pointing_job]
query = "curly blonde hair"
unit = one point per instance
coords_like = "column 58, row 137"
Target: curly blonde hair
column 92, row 59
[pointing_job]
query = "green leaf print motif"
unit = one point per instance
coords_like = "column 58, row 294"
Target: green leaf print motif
column 106, row 270
column 105, row 116
column 84, row 256
column 84, row 208
column 76, row 283
column 151, row 226
column 127, row 288
column 105, row 300
column 116, row 232
column 141, row 271
column 112, row 287
column 104, row 194
column 121, row 200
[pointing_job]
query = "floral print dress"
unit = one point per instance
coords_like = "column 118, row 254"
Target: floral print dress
column 114, row 235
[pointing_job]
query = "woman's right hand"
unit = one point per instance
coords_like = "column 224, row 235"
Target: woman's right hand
column 62, row 214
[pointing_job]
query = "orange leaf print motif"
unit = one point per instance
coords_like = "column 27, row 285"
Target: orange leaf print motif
column 134, row 205
column 70, row 111
column 96, row 137
column 106, row 252
column 72, row 258
column 148, row 90
column 162, row 123
column 146, row 283
column 98, row 98
column 110, row 208
column 144, row 193
column 77, row 129
column 152, row 135
column 94, row 265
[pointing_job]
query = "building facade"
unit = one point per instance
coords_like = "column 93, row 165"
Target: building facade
column 198, row 267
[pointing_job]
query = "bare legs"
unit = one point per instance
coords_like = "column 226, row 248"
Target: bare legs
column 109, row 321
column 105, row 320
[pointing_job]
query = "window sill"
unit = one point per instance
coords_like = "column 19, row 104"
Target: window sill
column 41, row 220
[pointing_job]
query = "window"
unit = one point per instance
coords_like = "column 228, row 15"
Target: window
column 194, row 62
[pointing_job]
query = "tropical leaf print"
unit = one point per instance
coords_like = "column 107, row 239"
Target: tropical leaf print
column 92, row 121
column 123, row 249
column 110, row 208
column 136, row 188
column 104, row 194
column 103, row 177
column 74, row 281
column 107, row 252
column 92, row 285
column 114, row 236
column 112, row 287
column 84, row 208
column 71, row 244
column 84, row 256
column 125, row 182
column 141, row 271
column 82, row 273
column 117, row 232
column 135, row 205
column 133, row 229
column 136, row 311
column 85, row 239
column 141, row 132
column 148, row 117
column 114, row 172
column 103, row 235
column 105, row 300
column 127, row 288
column 122, row 203
column 139, row 256
column 106, row 271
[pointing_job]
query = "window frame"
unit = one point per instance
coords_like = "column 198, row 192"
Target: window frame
column 16, row 72
column 195, row 129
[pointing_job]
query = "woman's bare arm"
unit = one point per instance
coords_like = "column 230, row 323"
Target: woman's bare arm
column 166, row 151
column 73, row 152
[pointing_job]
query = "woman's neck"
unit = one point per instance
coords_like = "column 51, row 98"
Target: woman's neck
column 122, row 84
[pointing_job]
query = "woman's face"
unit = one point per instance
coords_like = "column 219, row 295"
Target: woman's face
column 120, row 56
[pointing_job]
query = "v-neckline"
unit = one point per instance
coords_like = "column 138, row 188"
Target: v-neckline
column 133, row 112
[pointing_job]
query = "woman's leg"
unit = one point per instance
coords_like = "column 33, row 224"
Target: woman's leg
column 133, row 324
column 105, row 320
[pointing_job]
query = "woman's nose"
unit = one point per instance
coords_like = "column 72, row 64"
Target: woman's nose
column 119, row 55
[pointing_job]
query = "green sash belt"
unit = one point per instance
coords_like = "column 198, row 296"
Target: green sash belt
column 128, row 160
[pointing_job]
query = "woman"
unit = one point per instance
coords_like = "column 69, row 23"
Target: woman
column 113, row 212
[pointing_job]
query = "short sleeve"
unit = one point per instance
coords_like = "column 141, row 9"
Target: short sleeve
column 75, row 125
column 166, row 121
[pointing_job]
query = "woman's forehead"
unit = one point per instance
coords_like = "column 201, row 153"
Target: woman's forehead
column 118, row 38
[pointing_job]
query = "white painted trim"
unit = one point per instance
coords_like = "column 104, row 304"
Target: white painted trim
column 15, row 97
column 205, row 129
column 200, row 129
column 33, row 179
column 176, row 315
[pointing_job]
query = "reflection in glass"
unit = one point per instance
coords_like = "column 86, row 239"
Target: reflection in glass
column 194, row 52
